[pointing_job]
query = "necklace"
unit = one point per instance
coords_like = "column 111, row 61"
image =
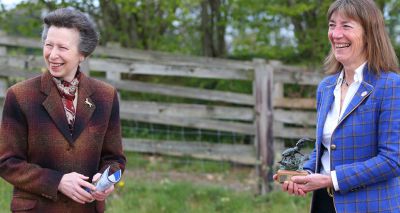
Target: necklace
column 345, row 82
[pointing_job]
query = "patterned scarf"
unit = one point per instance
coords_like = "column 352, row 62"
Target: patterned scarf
column 67, row 91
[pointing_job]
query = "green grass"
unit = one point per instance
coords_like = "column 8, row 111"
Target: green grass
column 139, row 194
column 5, row 195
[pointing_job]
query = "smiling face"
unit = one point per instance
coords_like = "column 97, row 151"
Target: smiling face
column 347, row 40
column 61, row 52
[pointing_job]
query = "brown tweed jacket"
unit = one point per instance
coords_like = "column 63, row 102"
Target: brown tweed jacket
column 37, row 148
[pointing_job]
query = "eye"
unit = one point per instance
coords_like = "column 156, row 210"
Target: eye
column 48, row 45
column 331, row 25
column 63, row 48
column 346, row 26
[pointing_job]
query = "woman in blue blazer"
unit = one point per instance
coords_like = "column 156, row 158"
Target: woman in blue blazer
column 355, row 165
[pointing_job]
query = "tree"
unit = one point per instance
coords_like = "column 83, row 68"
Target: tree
column 25, row 20
column 213, row 26
column 294, row 31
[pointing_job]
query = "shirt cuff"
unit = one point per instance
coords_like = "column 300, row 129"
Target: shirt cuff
column 334, row 180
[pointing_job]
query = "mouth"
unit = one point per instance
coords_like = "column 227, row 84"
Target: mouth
column 343, row 45
column 56, row 64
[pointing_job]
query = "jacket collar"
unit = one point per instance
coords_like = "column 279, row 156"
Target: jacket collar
column 327, row 97
column 54, row 106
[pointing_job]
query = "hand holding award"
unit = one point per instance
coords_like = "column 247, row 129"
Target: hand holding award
column 292, row 162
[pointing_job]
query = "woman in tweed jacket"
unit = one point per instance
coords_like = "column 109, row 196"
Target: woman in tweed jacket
column 355, row 165
column 60, row 130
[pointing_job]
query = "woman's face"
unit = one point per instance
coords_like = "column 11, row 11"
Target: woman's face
column 347, row 40
column 61, row 52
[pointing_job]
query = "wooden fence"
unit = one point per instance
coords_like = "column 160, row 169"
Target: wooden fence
column 265, row 114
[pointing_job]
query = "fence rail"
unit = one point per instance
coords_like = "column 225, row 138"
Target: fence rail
column 265, row 114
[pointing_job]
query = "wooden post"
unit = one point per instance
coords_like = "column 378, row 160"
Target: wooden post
column 262, row 90
column 3, row 88
column 85, row 66
column 3, row 81
column 112, row 74
column 3, row 51
column 278, row 93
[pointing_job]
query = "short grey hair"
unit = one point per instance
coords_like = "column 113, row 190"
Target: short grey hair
column 73, row 19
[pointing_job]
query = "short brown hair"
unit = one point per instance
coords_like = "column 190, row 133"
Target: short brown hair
column 380, row 52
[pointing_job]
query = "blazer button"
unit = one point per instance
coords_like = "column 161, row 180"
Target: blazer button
column 333, row 146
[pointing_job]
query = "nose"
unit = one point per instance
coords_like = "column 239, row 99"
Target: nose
column 336, row 33
column 53, row 53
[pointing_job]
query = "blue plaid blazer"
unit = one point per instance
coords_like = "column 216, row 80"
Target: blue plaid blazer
column 367, row 140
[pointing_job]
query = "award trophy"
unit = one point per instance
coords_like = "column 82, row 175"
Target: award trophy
column 292, row 162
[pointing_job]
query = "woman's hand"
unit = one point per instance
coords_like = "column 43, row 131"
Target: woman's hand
column 290, row 187
column 312, row 182
column 73, row 186
column 98, row 195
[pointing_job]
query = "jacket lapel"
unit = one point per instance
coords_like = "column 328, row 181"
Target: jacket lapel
column 362, row 93
column 85, row 106
column 54, row 105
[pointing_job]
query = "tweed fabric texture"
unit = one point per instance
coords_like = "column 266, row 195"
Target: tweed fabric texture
column 37, row 147
column 367, row 140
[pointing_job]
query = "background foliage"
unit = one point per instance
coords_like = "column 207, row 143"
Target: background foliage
column 293, row 31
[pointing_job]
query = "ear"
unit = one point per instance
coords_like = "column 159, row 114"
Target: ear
column 81, row 58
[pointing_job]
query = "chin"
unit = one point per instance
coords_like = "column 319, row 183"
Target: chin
column 341, row 59
column 55, row 74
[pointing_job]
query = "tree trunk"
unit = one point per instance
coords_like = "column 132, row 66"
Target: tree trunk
column 213, row 26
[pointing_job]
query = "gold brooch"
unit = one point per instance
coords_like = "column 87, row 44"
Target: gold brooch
column 88, row 103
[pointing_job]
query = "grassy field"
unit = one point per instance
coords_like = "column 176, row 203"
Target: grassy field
column 5, row 195
column 142, row 194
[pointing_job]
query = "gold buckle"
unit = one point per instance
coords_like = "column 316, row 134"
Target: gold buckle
column 330, row 191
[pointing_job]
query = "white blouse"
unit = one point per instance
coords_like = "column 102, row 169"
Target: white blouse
column 333, row 117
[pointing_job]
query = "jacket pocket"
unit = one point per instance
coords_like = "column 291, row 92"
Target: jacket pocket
column 22, row 204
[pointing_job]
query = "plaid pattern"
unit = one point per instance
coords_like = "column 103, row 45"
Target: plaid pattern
column 367, row 139
column 37, row 148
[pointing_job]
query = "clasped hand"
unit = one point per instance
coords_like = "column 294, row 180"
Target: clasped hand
column 301, row 185
column 73, row 185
